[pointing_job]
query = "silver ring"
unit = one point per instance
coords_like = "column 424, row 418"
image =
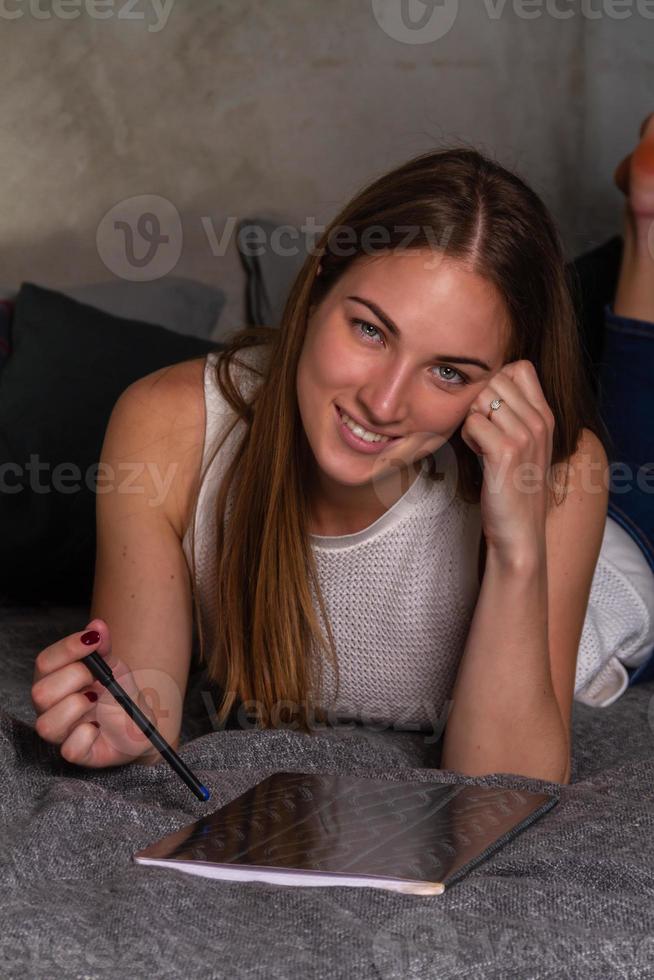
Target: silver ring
column 494, row 405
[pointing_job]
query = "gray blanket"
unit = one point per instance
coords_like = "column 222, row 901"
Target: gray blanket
column 572, row 896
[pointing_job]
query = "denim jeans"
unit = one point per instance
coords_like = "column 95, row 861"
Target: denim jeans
column 626, row 402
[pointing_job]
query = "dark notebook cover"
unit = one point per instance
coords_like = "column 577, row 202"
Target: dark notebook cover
column 316, row 829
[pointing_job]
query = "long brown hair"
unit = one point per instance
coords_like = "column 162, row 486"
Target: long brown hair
column 468, row 206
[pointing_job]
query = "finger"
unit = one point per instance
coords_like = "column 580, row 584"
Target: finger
column 78, row 747
column 514, row 418
column 524, row 376
column 56, row 724
column 483, row 437
column 54, row 687
column 104, row 647
column 516, row 415
column 71, row 648
column 532, row 424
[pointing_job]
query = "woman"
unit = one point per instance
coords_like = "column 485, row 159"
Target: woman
column 396, row 474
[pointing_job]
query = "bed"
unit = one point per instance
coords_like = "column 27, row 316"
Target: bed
column 572, row 896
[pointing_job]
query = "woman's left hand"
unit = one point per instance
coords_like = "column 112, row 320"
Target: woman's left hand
column 516, row 448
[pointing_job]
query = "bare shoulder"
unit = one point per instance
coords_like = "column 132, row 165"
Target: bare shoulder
column 159, row 421
column 586, row 469
column 581, row 486
column 162, row 419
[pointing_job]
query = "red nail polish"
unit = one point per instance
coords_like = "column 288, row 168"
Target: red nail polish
column 91, row 695
column 90, row 638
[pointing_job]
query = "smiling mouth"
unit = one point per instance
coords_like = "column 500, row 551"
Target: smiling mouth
column 344, row 415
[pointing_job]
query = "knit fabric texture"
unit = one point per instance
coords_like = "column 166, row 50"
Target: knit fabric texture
column 570, row 897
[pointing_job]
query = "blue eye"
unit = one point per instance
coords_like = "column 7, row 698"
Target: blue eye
column 463, row 379
column 361, row 326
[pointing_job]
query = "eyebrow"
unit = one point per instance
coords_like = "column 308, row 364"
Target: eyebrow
column 393, row 328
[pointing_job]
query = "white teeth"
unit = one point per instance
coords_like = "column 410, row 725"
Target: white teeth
column 362, row 433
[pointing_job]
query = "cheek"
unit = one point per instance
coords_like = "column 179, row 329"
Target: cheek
column 442, row 421
column 315, row 382
column 305, row 386
column 329, row 364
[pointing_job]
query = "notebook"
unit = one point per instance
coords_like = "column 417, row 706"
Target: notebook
column 325, row 829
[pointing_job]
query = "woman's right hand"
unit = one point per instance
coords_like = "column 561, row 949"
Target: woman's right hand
column 93, row 732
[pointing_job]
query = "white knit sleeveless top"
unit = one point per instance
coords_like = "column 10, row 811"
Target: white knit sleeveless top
column 401, row 593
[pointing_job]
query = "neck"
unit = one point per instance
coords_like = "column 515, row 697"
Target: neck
column 336, row 509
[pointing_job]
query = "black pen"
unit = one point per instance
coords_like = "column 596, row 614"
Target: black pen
column 103, row 673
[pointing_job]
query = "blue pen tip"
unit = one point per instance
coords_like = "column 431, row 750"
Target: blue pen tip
column 205, row 792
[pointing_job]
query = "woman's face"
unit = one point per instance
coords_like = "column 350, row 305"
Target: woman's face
column 411, row 381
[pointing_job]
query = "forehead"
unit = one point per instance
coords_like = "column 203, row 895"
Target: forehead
column 433, row 300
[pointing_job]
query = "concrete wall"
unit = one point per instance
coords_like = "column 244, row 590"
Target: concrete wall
column 284, row 108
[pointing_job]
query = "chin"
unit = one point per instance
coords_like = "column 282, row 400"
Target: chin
column 354, row 470
column 345, row 472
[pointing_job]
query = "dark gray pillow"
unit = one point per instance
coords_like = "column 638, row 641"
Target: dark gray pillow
column 69, row 364
column 264, row 246
column 188, row 307
column 183, row 305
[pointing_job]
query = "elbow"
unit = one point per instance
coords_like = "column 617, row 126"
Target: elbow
column 549, row 773
column 565, row 779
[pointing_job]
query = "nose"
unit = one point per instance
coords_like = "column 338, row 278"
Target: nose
column 385, row 397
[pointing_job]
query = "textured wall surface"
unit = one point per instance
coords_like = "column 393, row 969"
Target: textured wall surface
column 284, row 108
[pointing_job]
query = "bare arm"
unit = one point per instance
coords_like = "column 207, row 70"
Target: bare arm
column 512, row 700
column 142, row 588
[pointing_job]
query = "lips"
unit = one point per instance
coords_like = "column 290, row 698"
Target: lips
column 361, row 446
column 364, row 426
